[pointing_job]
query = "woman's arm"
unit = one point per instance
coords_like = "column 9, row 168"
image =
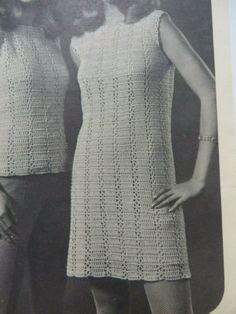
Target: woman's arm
column 201, row 81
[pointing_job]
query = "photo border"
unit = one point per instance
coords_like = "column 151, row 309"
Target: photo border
column 227, row 148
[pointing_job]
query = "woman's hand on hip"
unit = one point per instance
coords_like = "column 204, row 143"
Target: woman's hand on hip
column 177, row 195
column 7, row 232
column 3, row 203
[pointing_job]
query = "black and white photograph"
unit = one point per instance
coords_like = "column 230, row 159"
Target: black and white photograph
column 110, row 196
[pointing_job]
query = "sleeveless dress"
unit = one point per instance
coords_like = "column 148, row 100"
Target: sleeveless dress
column 124, row 157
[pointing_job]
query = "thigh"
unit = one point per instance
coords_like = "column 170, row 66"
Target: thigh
column 169, row 297
column 49, row 244
column 109, row 286
column 77, row 297
column 19, row 201
column 7, row 264
column 55, row 216
column 110, row 295
column 51, row 233
column 20, row 192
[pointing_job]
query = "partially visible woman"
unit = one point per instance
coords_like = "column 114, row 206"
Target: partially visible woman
column 127, row 219
column 33, row 148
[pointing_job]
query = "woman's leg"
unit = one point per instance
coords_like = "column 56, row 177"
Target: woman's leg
column 13, row 256
column 7, row 263
column 169, row 297
column 49, row 245
column 24, row 304
column 12, row 266
column 111, row 296
column 20, row 300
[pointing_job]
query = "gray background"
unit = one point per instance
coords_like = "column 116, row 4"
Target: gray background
column 203, row 215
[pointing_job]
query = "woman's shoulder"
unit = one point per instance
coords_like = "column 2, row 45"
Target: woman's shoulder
column 75, row 44
column 74, row 49
column 157, row 15
column 76, row 40
column 80, row 41
column 156, row 18
column 155, row 22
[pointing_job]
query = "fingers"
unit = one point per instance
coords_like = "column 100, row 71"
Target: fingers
column 3, row 203
column 176, row 205
column 8, row 236
column 7, row 230
column 166, row 201
column 161, row 197
column 161, row 193
column 166, row 197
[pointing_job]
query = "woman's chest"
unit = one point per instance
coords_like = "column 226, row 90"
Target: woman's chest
column 119, row 50
column 32, row 60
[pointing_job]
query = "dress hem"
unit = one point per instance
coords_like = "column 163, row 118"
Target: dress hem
column 38, row 172
column 129, row 278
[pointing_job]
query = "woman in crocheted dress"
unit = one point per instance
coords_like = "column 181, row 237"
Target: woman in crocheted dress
column 127, row 222
column 33, row 148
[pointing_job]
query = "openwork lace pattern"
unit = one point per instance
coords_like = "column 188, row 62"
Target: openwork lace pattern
column 33, row 85
column 124, row 157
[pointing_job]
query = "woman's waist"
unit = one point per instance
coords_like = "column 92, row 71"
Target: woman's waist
column 126, row 129
column 35, row 134
column 22, row 117
column 124, row 141
column 124, row 159
column 33, row 104
column 32, row 158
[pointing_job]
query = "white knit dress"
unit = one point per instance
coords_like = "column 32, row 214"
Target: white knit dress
column 124, row 157
column 33, row 84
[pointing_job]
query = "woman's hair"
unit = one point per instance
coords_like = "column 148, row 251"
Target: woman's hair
column 80, row 16
column 42, row 10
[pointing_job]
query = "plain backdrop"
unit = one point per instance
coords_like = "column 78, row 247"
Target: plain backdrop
column 203, row 215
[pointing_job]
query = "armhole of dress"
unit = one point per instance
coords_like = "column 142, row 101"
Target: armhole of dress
column 158, row 30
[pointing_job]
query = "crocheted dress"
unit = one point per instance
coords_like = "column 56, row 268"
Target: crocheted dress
column 33, row 84
column 124, row 157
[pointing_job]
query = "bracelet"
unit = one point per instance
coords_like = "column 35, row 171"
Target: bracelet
column 204, row 138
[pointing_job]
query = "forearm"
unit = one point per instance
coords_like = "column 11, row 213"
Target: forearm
column 208, row 128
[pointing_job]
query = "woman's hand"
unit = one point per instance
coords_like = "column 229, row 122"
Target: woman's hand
column 6, row 224
column 176, row 196
column 3, row 203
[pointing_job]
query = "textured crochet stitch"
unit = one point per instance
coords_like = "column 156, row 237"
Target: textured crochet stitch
column 124, row 157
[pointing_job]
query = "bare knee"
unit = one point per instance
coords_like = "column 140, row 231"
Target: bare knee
column 107, row 304
column 110, row 295
column 169, row 297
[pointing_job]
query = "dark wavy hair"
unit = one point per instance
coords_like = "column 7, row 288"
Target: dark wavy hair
column 42, row 10
column 79, row 16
